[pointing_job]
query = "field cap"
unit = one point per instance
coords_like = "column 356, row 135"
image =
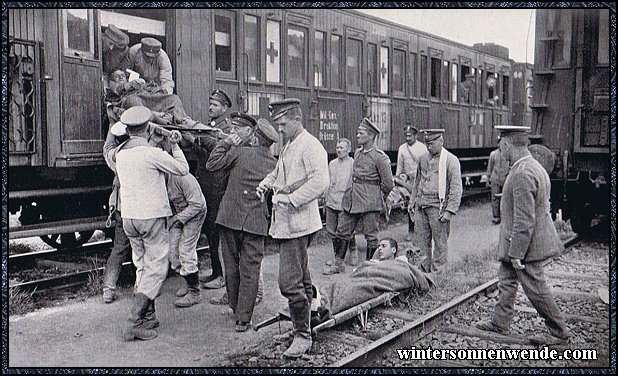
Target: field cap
column 116, row 35
column 267, row 130
column 151, row 47
column 367, row 125
column 221, row 97
column 410, row 129
column 136, row 116
column 512, row 130
column 432, row 134
column 242, row 120
column 279, row 108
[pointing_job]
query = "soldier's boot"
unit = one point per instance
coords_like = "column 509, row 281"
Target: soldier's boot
column 353, row 251
column 285, row 337
column 335, row 247
column 301, row 319
column 336, row 268
column 260, row 290
column 410, row 235
column 150, row 318
column 194, row 295
column 135, row 328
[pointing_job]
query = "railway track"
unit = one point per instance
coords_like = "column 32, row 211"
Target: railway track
column 576, row 284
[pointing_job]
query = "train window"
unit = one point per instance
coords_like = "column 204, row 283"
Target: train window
column 252, row 46
column 413, row 74
column 372, row 67
column 320, row 59
column 490, row 83
column 335, row 61
column 436, row 77
column 79, row 33
column 273, row 58
column 446, row 75
column 297, row 55
column 454, row 83
column 224, row 46
column 603, row 45
column 383, row 70
column 505, row 90
column 354, row 53
column 399, row 72
column 423, row 76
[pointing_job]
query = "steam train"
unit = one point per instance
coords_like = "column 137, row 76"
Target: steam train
column 342, row 64
column 571, row 109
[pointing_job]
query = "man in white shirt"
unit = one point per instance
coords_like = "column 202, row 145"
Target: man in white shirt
column 141, row 170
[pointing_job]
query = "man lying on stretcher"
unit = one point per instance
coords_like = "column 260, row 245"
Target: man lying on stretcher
column 388, row 271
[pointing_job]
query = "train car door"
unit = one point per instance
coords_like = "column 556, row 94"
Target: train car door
column 79, row 136
column 381, row 103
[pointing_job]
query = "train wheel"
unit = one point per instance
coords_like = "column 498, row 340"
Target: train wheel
column 69, row 240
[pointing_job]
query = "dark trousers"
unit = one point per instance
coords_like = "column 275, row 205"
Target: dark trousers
column 495, row 201
column 121, row 252
column 242, row 256
column 211, row 229
column 532, row 279
column 371, row 225
column 333, row 218
column 295, row 281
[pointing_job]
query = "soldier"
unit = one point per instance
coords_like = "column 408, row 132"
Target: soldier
column 298, row 180
column 527, row 238
column 115, row 51
column 438, row 195
column 497, row 168
column 244, row 225
column 407, row 163
column 371, row 178
column 152, row 63
column 141, row 170
column 213, row 185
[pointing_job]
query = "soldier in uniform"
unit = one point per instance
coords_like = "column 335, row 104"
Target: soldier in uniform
column 371, row 179
column 244, row 225
column 141, row 170
column 497, row 168
column 527, row 238
column 438, row 195
column 407, row 163
column 152, row 63
column 115, row 51
column 213, row 183
column 298, row 180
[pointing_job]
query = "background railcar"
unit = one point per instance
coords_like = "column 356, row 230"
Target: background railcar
column 572, row 109
column 342, row 64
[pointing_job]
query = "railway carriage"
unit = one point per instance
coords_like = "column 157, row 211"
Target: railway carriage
column 342, row 64
column 571, row 104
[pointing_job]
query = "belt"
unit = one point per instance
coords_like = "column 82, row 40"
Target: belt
column 363, row 181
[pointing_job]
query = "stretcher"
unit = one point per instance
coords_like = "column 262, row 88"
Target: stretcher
column 360, row 310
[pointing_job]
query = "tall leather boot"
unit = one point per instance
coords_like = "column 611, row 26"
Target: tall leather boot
column 335, row 246
column 340, row 251
column 410, row 235
column 193, row 296
column 301, row 320
column 150, row 318
column 135, row 328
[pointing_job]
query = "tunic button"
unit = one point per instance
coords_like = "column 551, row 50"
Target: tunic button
column 245, row 192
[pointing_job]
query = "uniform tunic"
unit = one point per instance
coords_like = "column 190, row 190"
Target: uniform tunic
column 242, row 216
column 371, row 177
column 527, row 233
column 159, row 70
column 497, row 168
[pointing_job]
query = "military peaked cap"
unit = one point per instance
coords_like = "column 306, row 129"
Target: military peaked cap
column 279, row 108
column 512, row 130
column 116, row 36
column 136, row 116
column 267, row 130
column 410, row 129
column 432, row 134
column 369, row 126
column 222, row 97
column 151, row 47
column 243, row 120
